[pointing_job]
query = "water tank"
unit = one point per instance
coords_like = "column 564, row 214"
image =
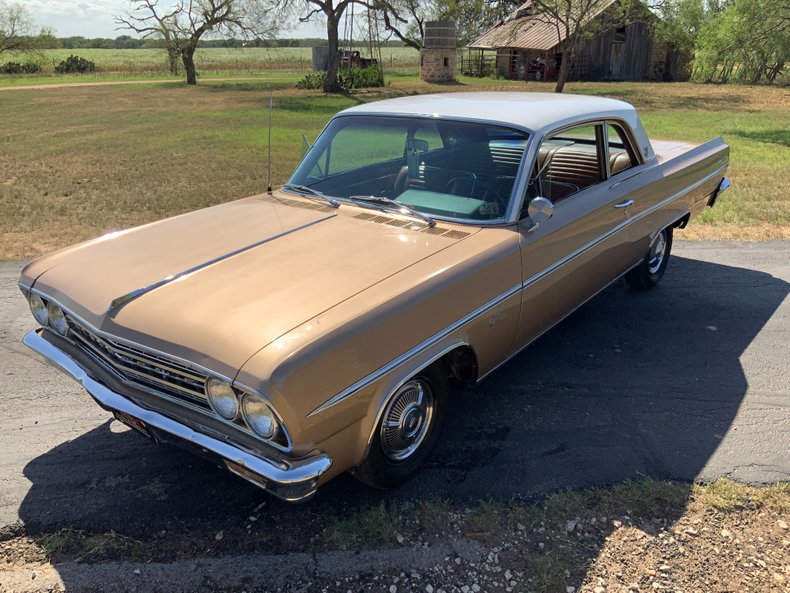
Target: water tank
column 439, row 35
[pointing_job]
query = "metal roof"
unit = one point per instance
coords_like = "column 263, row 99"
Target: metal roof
column 529, row 31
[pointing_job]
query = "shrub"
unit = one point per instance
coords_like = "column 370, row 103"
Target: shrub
column 17, row 68
column 75, row 65
column 347, row 78
column 312, row 81
column 360, row 78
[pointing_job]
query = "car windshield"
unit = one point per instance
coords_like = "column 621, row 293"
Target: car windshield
column 441, row 168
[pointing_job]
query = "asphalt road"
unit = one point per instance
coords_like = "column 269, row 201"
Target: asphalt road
column 690, row 380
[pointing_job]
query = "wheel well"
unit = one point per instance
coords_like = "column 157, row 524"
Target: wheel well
column 462, row 364
column 682, row 222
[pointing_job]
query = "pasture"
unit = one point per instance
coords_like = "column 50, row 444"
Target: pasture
column 120, row 64
column 77, row 162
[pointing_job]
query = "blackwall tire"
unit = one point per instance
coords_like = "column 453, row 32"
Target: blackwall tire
column 649, row 273
column 408, row 430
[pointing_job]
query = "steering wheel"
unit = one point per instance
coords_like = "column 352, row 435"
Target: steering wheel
column 499, row 192
column 459, row 182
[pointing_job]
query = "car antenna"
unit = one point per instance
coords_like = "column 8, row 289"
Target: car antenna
column 269, row 150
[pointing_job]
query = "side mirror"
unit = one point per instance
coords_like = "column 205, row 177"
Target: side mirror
column 419, row 145
column 540, row 210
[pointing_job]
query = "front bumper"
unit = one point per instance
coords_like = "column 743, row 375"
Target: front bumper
column 292, row 481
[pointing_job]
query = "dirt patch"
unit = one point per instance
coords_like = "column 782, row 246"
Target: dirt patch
column 734, row 232
column 641, row 536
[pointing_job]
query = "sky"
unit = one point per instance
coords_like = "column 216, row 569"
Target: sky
column 94, row 18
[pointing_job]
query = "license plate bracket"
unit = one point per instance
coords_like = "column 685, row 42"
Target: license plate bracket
column 132, row 422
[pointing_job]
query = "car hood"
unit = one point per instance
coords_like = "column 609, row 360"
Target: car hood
column 217, row 285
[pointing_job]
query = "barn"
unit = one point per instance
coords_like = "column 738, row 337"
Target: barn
column 528, row 46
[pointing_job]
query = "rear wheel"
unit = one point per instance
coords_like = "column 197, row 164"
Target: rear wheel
column 407, row 431
column 647, row 274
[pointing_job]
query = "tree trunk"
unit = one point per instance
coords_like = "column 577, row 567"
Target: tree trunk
column 565, row 68
column 330, row 81
column 188, row 57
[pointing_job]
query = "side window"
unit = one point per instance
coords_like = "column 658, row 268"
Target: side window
column 568, row 162
column 621, row 157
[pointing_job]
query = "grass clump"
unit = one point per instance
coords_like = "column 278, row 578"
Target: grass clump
column 726, row 495
column 82, row 546
column 377, row 525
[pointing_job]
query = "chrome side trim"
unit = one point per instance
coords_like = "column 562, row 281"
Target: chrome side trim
column 381, row 371
column 529, row 281
column 120, row 301
column 558, row 264
column 553, row 325
column 302, row 473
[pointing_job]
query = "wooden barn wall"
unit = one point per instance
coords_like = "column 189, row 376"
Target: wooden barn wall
column 595, row 62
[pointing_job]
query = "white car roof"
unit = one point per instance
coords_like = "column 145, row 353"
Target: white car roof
column 539, row 112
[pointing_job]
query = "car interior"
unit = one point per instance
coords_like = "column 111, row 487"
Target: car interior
column 468, row 173
column 569, row 162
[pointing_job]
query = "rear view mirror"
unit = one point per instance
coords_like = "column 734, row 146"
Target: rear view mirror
column 540, row 210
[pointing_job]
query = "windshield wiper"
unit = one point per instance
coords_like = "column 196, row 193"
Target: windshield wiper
column 309, row 192
column 395, row 203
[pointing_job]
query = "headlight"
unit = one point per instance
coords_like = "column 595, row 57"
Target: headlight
column 222, row 398
column 259, row 416
column 38, row 308
column 57, row 320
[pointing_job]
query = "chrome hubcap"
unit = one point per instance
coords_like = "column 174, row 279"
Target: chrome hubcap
column 406, row 420
column 657, row 252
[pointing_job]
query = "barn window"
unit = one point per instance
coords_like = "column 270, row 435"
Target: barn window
column 447, row 62
column 619, row 35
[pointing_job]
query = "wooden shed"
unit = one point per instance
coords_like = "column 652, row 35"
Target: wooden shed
column 528, row 46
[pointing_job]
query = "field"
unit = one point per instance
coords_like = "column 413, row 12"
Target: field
column 77, row 162
column 114, row 64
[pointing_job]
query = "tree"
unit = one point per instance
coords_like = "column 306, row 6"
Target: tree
column 680, row 22
column 181, row 26
column 405, row 19
column 747, row 41
column 16, row 29
column 333, row 12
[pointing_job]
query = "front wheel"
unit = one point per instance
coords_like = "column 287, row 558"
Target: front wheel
column 407, row 431
column 647, row 274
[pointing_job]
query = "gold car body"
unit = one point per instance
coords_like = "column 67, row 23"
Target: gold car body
column 324, row 312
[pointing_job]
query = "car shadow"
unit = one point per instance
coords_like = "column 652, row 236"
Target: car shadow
column 634, row 384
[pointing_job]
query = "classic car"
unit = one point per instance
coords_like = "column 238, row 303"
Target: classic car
column 323, row 327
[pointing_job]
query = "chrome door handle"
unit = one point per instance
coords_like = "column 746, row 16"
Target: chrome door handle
column 625, row 204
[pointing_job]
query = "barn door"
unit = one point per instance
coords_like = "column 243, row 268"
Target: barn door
column 616, row 59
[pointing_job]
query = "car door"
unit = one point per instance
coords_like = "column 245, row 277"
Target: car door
column 582, row 248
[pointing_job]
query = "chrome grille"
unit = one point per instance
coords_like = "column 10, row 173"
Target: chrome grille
column 141, row 368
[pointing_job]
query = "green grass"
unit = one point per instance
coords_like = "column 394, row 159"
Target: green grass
column 76, row 162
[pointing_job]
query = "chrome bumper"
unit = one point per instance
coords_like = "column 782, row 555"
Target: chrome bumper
column 292, row 481
column 723, row 186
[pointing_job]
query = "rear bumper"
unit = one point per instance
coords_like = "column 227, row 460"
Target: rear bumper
column 723, row 186
column 292, row 481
